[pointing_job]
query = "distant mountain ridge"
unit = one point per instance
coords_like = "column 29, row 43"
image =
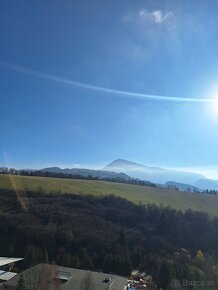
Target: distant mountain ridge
column 135, row 172
column 181, row 186
column 153, row 174
column 87, row 172
column 206, row 183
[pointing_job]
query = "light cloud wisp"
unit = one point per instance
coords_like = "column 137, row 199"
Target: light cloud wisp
column 156, row 16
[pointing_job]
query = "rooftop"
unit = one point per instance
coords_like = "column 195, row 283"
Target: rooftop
column 73, row 279
column 5, row 260
column 5, row 276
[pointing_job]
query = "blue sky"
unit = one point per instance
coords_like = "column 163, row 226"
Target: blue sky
column 164, row 48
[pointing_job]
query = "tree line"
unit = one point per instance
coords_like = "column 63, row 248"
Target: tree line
column 42, row 173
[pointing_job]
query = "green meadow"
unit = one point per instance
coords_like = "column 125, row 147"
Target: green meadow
column 134, row 193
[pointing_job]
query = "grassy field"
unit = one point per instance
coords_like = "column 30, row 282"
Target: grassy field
column 137, row 194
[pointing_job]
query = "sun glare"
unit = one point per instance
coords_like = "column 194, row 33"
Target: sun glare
column 212, row 108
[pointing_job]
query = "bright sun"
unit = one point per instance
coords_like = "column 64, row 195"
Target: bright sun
column 213, row 104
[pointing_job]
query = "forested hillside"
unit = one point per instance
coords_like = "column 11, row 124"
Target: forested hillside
column 108, row 233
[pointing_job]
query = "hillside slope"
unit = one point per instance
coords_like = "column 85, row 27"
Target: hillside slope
column 137, row 194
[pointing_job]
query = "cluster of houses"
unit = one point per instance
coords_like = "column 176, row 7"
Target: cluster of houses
column 139, row 281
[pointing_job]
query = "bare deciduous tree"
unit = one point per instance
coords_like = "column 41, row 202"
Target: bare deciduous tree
column 42, row 277
column 87, row 282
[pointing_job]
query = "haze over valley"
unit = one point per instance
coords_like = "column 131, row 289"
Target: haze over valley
column 126, row 169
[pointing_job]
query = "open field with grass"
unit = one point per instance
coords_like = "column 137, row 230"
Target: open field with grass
column 135, row 193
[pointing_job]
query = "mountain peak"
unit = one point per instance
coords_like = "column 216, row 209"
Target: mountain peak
column 122, row 162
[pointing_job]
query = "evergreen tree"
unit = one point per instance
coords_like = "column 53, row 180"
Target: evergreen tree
column 156, row 266
column 164, row 275
column 76, row 261
column 44, row 258
column 33, row 256
column 127, row 266
column 86, row 260
column 122, row 239
column 108, row 265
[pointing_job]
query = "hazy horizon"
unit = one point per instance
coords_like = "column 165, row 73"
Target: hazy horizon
column 208, row 172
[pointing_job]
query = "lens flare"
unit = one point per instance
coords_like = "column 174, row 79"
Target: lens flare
column 112, row 92
column 17, row 185
column 18, row 188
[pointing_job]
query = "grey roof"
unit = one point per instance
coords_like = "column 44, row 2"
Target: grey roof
column 5, row 260
column 73, row 279
column 5, row 276
column 13, row 281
